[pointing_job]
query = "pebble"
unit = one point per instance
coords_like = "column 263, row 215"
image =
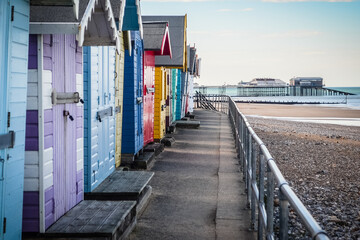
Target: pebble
column 326, row 179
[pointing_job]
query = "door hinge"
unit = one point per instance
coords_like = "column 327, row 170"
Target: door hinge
column 12, row 13
column 8, row 119
column 4, row 229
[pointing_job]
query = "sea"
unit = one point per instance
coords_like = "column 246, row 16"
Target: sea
column 349, row 101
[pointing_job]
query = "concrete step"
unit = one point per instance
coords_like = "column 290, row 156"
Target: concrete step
column 144, row 160
column 168, row 141
column 106, row 220
column 191, row 116
column 187, row 124
column 125, row 185
column 157, row 148
column 172, row 128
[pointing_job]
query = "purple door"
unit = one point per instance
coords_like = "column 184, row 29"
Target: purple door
column 64, row 115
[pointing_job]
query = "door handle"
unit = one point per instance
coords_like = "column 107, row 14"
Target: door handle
column 2, row 161
column 67, row 114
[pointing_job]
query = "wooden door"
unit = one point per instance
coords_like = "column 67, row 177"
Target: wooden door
column 3, row 102
column 64, row 80
column 119, row 88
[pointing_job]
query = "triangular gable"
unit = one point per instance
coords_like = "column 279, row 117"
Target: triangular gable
column 118, row 7
column 132, row 17
column 95, row 27
column 177, row 31
column 157, row 38
column 192, row 60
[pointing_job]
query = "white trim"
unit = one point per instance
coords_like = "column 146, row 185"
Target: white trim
column 79, row 154
column 41, row 134
column 90, row 9
column 46, row 89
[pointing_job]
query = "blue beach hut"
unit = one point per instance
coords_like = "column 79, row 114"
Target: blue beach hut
column 133, row 132
column 99, row 117
column 132, row 126
column 14, row 29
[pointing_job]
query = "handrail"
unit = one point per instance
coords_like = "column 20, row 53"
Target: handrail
column 252, row 152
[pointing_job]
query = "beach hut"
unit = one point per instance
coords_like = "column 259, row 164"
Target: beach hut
column 14, row 29
column 191, row 70
column 156, row 42
column 168, row 101
column 54, row 168
column 132, row 131
column 132, row 124
column 118, row 7
column 99, row 117
column 178, row 62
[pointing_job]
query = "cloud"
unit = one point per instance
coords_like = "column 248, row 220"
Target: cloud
column 235, row 10
column 247, row 10
column 225, row 10
column 292, row 34
column 312, row 53
column 287, row 1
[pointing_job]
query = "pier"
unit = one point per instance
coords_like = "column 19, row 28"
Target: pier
column 275, row 91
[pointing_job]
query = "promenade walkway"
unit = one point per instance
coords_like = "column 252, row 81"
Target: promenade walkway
column 198, row 192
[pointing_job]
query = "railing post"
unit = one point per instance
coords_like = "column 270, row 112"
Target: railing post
column 244, row 150
column 284, row 216
column 253, row 183
column 261, row 193
column 270, row 203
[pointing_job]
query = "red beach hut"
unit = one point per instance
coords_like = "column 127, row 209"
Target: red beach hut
column 156, row 42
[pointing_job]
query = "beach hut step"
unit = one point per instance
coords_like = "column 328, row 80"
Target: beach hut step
column 157, row 148
column 191, row 116
column 172, row 128
column 144, row 160
column 108, row 220
column 124, row 186
column 185, row 119
column 168, row 141
column 188, row 124
column 127, row 159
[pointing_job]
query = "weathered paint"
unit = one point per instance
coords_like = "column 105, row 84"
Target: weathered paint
column 160, row 102
column 178, row 101
column 14, row 40
column 132, row 129
column 99, row 132
column 184, row 80
column 191, row 94
column 168, row 110
column 149, row 88
column 53, row 178
column 119, row 92
column 174, row 82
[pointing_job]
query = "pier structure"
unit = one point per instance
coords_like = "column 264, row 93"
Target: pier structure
column 267, row 91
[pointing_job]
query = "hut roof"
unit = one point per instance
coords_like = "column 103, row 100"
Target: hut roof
column 177, row 29
column 94, row 25
column 157, row 38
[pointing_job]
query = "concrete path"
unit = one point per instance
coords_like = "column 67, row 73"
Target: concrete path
column 198, row 191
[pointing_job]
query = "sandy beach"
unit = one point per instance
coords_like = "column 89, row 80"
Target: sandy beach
column 321, row 162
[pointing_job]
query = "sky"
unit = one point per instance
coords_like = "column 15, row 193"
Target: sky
column 239, row 40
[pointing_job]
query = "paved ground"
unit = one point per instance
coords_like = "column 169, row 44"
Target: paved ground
column 197, row 187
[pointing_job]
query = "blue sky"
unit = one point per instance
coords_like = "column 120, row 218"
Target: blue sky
column 246, row 39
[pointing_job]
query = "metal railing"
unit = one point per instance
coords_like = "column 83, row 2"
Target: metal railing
column 263, row 180
column 213, row 102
